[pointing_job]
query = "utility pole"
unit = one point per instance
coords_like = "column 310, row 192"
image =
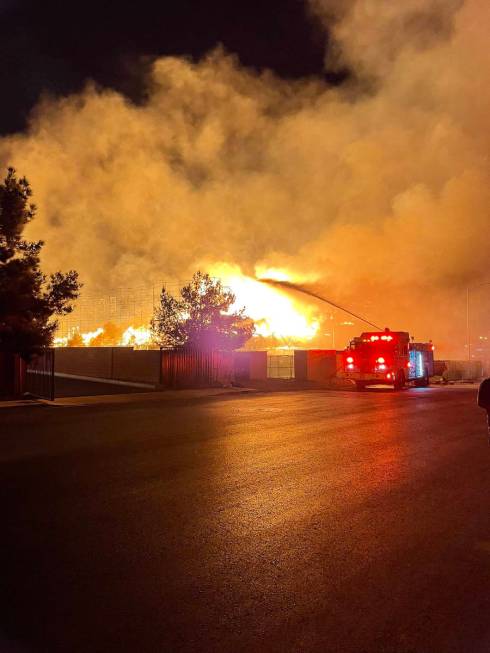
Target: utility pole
column 468, row 334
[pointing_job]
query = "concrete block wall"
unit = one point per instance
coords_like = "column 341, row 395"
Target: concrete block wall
column 321, row 364
column 250, row 365
column 318, row 365
column 115, row 363
column 136, row 365
column 301, row 365
column 84, row 361
column 258, row 365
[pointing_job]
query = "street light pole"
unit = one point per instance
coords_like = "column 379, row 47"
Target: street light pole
column 468, row 335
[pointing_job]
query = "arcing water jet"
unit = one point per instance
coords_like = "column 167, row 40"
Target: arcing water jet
column 306, row 291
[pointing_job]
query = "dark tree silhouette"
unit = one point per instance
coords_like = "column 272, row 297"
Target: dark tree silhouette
column 201, row 317
column 29, row 299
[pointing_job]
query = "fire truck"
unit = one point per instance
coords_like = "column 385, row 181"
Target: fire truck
column 387, row 358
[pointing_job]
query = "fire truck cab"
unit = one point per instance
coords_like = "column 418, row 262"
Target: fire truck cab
column 387, row 358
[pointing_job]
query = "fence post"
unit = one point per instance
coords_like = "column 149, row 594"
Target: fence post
column 112, row 362
column 19, row 375
column 161, row 371
column 53, row 378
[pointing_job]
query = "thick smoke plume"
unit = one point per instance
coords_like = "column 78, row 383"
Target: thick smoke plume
column 380, row 188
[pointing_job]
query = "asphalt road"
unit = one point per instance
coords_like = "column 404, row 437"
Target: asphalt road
column 301, row 521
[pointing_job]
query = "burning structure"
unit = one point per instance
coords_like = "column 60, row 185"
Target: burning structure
column 120, row 317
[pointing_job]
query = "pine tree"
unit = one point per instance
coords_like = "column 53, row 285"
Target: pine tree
column 201, row 318
column 29, row 299
column 167, row 325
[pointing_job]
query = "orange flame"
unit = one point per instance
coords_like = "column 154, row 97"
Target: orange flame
column 276, row 314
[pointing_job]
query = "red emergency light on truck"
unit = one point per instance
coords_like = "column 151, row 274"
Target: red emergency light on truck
column 388, row 358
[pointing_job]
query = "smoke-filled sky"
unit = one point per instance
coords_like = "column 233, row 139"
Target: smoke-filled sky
column 367, row 168
column 55, row 47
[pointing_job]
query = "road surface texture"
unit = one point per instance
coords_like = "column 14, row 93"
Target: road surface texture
column 324, row 521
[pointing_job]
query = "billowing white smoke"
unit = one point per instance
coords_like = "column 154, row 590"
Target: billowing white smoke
column 381, row 186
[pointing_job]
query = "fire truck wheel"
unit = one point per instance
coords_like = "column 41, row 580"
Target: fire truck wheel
column 360, row 386
column 423, row 382
column 399, row 381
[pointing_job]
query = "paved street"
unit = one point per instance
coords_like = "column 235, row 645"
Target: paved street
column 324, row 521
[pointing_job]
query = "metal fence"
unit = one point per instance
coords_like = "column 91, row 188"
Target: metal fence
column 280, row 366
column 191, row 369
column 459, row 370
column 12, row 374
column 121, row 306
column 39, row 378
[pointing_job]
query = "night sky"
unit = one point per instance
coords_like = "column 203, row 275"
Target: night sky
column 56, row 46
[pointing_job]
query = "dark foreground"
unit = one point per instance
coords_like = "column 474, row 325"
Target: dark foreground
column 320, row 521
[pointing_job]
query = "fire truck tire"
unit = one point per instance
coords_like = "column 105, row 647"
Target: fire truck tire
column 400, row 380
column 424, row 381
column 360, row 386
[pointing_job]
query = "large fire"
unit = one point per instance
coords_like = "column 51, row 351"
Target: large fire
column 276, row 313
column 278, row 316
column 108, row 336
